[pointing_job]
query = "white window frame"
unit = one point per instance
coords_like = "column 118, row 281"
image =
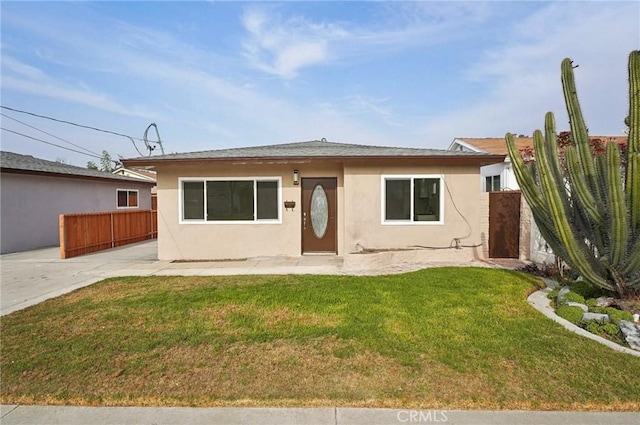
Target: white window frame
column 411, row 178
column 128, row 207
column 256, row 179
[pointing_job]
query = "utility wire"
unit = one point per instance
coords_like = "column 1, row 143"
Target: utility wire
column 48, row 134
column 52, row 144
column 78, row 125
column 69, row 122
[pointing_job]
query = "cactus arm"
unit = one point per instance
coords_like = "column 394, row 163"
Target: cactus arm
column 617, row 205
column 632, row 184
column 524, row 179
column 553, row 159
column 578, row 126
column 579, row 186
column 633, row 263
column 576, row 249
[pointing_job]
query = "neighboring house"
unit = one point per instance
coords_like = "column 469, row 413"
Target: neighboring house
column 136, row 173
column 500, row 176
column 142, row 174
column 315, row 197
column 34, row 192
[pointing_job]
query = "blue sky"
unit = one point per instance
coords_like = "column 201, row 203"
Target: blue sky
column 230, row 74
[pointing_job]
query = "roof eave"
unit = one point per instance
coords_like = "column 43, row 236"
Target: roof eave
column 448, row 159
column 74, row 176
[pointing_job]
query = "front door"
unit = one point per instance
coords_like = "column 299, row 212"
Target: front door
column 319, row 217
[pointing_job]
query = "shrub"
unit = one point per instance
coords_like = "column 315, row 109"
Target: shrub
column 573, row 296
column 553, row 294
column 570, row 313
column 591, row 303
column 614, row 314
column 602, row 328
column 587, row 290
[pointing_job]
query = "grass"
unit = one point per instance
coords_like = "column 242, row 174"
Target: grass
column 437, row 338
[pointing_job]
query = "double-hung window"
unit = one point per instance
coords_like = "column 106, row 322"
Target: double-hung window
column 126, row 198
column 232, row 200
column 416, row 199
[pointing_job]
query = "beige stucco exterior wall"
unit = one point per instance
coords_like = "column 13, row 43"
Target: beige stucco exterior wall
column 363, row 210
column 359, row 210
column 200, row 241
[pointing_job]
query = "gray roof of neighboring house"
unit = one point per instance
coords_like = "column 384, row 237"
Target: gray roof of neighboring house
column 14, row 162
column 311, row 149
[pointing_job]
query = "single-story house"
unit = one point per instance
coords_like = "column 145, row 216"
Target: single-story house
column 138, row 173
column 500, row 176
column 34, row 192
column 314, row 197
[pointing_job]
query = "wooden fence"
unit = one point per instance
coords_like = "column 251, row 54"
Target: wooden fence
column 84, row 233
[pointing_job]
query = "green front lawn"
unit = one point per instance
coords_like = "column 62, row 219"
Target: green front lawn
column 437, row 338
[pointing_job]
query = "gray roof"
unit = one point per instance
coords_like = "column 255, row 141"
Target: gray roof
column 311, row 149
column 15, row 162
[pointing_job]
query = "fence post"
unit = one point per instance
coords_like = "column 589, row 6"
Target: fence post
column 63, row 237
column 112, row 235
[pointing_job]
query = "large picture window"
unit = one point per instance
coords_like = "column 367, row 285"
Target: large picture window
column 412, row 199
column 230, row 200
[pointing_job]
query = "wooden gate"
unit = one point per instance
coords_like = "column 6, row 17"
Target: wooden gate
column 504, row 224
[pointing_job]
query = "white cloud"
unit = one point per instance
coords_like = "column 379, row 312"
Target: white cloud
column 283, row 46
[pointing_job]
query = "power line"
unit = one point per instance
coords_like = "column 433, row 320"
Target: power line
column 69, row 122
column 53, row 144
column 131, row 138
column 48, row 134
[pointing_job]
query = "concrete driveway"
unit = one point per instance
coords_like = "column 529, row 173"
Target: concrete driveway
column 28, row 278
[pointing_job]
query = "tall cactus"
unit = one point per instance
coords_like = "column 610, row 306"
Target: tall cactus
column 590, row 214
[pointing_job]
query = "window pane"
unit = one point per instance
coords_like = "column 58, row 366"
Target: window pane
column 496, row 183
column 122, row 198
column 487, row 184
column 133, row 198
column 397, row 199
column 267, row 200
column 426, row 199
column 193, row 200
column 230, row 200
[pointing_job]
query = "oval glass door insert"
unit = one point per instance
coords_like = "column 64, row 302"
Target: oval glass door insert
column 319, row 211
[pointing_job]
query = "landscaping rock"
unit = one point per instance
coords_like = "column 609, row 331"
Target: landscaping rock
column 604, row 301
column 575, row 304
column 596, row 316
column 562, row 293
column 631, row 332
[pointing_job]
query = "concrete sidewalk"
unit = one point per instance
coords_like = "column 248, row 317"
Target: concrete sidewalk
column 53, row 415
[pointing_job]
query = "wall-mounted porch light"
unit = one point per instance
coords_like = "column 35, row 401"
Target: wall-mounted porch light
column 296, row 177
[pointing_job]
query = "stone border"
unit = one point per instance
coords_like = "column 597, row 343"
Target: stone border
column 540, row 302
